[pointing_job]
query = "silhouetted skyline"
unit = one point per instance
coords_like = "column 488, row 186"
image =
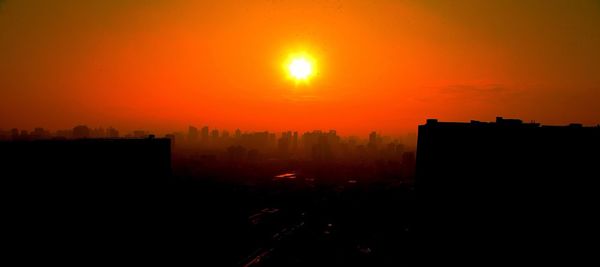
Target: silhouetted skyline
column 312, row 197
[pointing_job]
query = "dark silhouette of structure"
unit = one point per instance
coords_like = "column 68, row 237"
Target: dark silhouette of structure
column 85, row 160
column 78, row 195
column 506, row 190
column 104, row 197
column 193, row 134
column 81, row 131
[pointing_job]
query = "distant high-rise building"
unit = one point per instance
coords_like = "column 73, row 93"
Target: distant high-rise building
column 295, row 141
column 81, row 131
column 373, row 141
column 24, row 135
column 14, row 133
column 373, row 137
column 256, row 140
column 40, row 133
column 193, row 134
column 284, row 143
column 98, row 133
column 112, row 133
column 205, row 135
column 320, row 145
column 272, row 140
column 214, row 135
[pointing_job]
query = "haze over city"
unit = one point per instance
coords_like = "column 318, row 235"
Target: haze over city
column 378, row 65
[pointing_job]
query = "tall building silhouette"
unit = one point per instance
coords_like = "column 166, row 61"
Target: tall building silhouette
column 373, row 141
column 81, row 131
column 214, row 136
column 205, row 135
column 295, row 141
column 193, row 134
column 83, row 161
column 284, row 143
column 499, row 189
column 14, row 133
column 86, row 192
column 225, row 134
column 112, row 133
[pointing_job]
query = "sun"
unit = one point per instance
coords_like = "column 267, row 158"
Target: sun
column 300, row 67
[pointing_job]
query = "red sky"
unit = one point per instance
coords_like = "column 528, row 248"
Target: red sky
column 382, row 65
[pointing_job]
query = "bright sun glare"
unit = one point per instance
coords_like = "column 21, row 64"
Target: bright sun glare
column 300, row 68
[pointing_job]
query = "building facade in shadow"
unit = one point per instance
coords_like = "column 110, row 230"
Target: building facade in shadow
column 83, row 161
column 87, row 197
column 506, row 189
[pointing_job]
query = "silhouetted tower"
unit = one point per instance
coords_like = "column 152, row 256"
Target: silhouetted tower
column 488, row 184
column 39, row 133
column 205, row 134
column 14, row 133
column 283, row 144
column 214, row 136
column 373, row 141
column 295, row 141
column 81, row 131
column 192, row 134
column 112, row 133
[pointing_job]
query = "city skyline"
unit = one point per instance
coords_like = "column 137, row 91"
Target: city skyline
column 200, row 132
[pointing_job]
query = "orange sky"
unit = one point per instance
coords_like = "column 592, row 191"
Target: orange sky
column 383, row 65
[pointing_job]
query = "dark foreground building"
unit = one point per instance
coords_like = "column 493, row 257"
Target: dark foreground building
column 82, row 198
column 507, row 191
column 83, row 170
column 85, row 161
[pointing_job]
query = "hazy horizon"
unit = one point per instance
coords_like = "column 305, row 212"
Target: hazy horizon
column 383, row 66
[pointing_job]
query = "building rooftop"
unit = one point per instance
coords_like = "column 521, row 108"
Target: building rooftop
column 500, row 121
